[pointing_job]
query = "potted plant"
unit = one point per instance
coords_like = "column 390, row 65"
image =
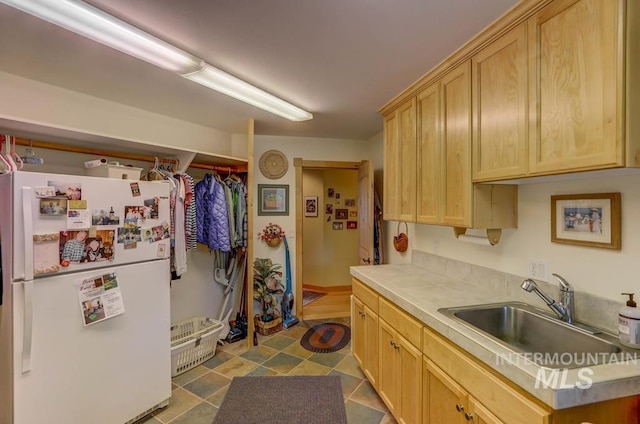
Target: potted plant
column 272, row 234
column 267, row 283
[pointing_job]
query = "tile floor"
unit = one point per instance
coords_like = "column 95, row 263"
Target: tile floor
column 198, row 393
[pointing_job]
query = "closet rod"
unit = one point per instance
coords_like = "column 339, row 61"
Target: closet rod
column 121, row 155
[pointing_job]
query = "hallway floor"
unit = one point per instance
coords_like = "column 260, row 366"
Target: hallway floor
column 198, row 393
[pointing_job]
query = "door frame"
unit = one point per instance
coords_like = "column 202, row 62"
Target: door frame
column 300, row 165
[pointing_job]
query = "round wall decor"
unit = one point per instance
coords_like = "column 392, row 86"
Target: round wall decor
column 273, row 164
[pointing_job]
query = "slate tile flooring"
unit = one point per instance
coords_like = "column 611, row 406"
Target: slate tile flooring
column 198, row 393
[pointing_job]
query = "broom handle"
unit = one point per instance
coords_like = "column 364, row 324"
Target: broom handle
column 288, row 262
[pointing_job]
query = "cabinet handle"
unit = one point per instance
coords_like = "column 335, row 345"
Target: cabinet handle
column 459, row 407
column 392, row 343
column 468, row 416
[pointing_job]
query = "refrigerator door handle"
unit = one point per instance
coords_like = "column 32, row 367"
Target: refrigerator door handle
column 27, row 335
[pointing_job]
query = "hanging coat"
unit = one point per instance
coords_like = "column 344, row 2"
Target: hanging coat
column 212, row 219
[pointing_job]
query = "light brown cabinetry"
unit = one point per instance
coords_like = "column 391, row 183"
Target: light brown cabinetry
column 364, row 324
column 576, row 67
column 400, row 163
column 554, row 90
column 445, row 401
column 500, row 105
column 400, row 381
column 446, row 195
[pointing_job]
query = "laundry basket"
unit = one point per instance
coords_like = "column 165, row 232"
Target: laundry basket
column 193, row 341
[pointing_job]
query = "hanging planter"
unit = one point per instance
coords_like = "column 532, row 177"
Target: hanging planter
column 274, row 242
column 272, row 234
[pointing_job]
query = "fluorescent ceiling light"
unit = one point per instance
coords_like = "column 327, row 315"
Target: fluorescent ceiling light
column 99, row 26
column 227, row 84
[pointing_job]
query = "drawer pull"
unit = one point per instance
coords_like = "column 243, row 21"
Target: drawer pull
column 459, row 407
column 468, row 416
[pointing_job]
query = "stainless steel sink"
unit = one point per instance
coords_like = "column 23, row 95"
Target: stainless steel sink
column 540, row 337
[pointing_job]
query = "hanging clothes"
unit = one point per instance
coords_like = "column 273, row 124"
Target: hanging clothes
column 180, row 245
column 212, row 219
column 190, row 213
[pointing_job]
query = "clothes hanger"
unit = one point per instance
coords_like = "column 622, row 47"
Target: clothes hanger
column 14, row 155
column 2, row 155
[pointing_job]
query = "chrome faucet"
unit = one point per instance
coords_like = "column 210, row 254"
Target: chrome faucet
column 563, row 309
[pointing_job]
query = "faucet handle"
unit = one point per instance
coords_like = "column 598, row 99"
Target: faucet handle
column 564, row 284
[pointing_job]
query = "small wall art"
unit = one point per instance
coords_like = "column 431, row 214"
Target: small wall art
column 337, row 225
column 342, row 213
column 273, row 199
column 311, row 206
column 591, row 219
column 352, row 225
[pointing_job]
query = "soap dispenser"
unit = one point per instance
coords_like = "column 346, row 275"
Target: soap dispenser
column 629, row 323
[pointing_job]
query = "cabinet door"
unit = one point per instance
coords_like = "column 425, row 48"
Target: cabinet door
column 576, row 83
column 410, row 382
column 456, row 133
column 478, row 414
column 430, row 160
column 499, row 91
column 444, row 401
column 371, row 357
column 358, row 330
column 389, row 383
column 400, row 164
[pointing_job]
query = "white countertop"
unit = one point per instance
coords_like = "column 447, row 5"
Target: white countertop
column 421, row 292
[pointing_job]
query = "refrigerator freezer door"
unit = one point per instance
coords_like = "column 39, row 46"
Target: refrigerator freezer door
column 104, row 373
column 100, row 194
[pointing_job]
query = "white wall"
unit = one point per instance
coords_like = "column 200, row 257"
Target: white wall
column 601, row 272
column 307, row 148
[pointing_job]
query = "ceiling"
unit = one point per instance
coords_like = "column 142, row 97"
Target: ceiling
column 341, row 60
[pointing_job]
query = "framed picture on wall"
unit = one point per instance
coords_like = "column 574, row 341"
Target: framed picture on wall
column 342, row 213
column 352, row 225
column 338, row 225
column 310, row 205
column 586, row 219
column 273, row 199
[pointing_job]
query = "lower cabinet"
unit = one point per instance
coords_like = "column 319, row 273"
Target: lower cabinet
column 424, row 378
column 364, row 326
column 400, row 384
column 445, row 401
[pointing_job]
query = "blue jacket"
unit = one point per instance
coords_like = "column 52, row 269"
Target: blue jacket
column 212, row 219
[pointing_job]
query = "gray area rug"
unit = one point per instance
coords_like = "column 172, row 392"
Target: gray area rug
column 283, row 400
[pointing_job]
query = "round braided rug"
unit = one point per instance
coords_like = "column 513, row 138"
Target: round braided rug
column 326, row 338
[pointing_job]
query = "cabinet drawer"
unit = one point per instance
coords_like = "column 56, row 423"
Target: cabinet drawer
column 503, row 400
column 410, row 328
column 365, row 294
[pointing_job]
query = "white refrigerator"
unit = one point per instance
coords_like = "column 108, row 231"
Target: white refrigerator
column 86, row 339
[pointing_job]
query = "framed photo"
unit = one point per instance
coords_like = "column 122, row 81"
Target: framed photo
column 330, row 192
column 273, row 199
column 352, row 225
column 342, row 213
column 353, row 214
column 337, row 225
column 310, row 205
column 591, row 219
column 349, row 202
column 328, row 209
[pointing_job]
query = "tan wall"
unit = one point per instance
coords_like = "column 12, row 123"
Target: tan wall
column 329, row 253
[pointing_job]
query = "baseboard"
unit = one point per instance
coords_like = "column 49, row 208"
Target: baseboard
column 326, row 289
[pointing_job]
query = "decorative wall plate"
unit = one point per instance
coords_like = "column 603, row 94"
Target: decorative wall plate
column 273, row 164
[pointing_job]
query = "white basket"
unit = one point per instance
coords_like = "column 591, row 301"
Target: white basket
column 193, row 341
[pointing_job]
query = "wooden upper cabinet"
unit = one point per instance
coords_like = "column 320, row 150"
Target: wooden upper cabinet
column 456, row 142
column 430, row 160
column 499, row 93
column 400, row 163
column 576, row 60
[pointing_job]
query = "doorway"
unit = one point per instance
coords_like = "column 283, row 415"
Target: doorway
column 334, row 228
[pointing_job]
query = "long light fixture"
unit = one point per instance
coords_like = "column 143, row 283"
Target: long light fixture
column 99, row 26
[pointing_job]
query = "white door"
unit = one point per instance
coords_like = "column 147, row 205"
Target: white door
column 365, row 212
column 104, row 373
